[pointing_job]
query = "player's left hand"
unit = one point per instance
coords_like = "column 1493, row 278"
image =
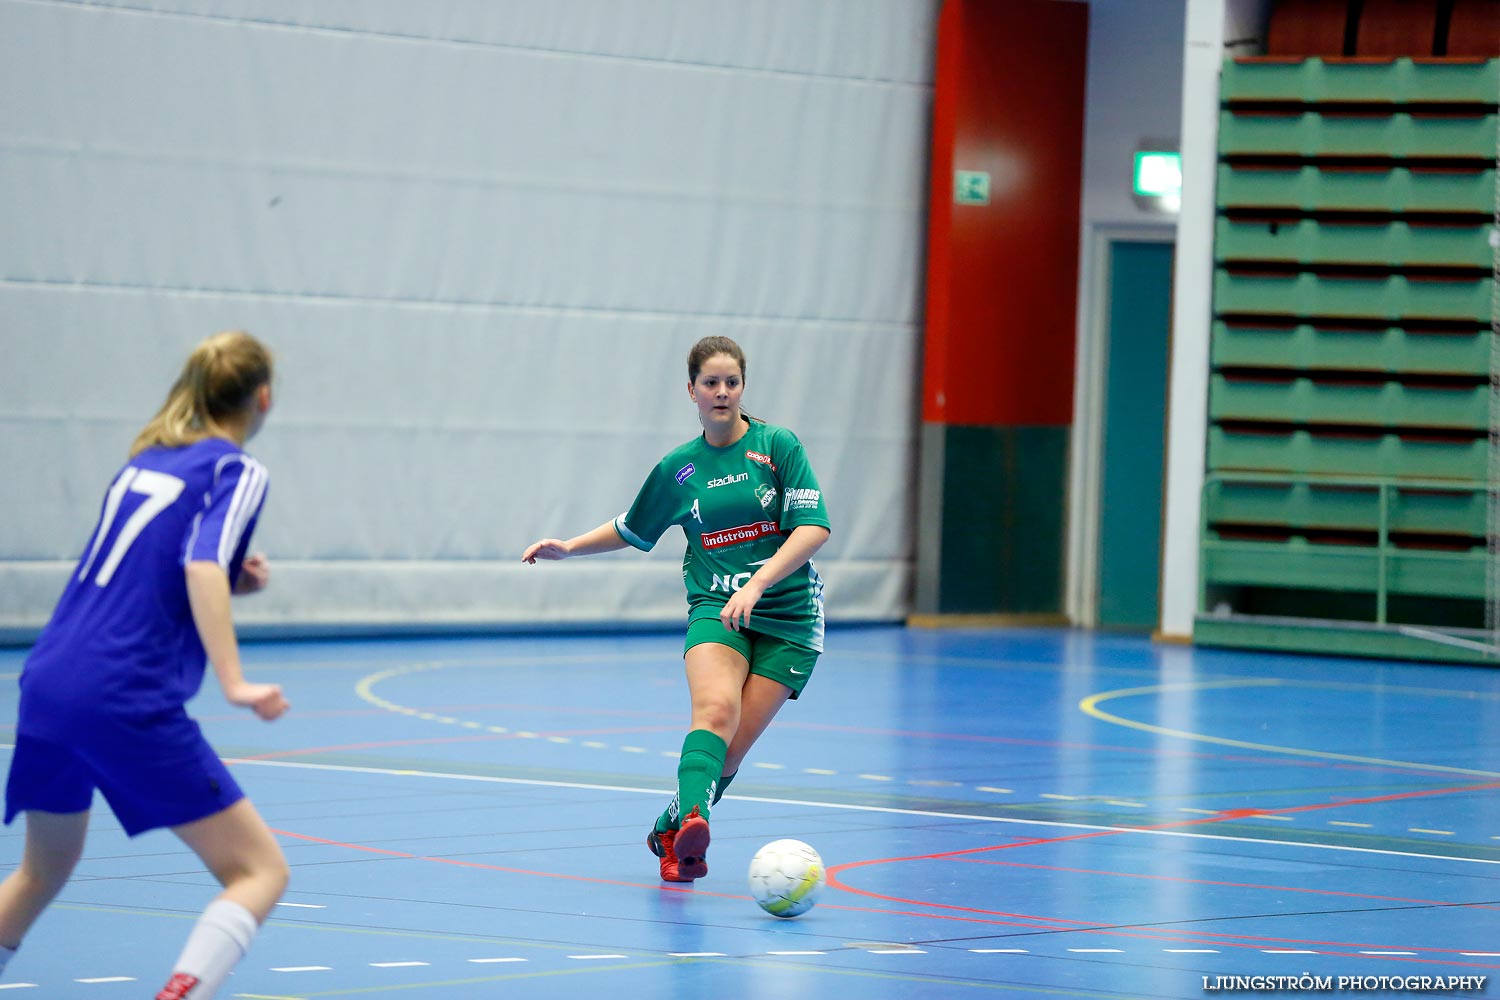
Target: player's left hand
column 736, row 613
column 255, row 574
column 265, row 700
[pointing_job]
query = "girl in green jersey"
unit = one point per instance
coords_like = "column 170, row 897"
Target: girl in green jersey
column 745, row 496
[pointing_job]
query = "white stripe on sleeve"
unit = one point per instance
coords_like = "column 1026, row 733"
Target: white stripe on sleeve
column 631, row 536
column 242, row 507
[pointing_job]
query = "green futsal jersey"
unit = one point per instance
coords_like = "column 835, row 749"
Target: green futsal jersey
column 737, row 505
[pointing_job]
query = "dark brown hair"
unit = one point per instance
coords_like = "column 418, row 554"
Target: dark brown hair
column 709, row 347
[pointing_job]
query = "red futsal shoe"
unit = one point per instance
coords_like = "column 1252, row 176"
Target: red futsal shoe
column 673, row 869
column 692, row 845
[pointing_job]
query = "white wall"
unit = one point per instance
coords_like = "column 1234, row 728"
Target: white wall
column 1153, row 74
column 1134, row 101
column 481, row 236
column 1210, row 24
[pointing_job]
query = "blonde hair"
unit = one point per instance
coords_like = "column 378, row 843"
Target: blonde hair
column 218, row 380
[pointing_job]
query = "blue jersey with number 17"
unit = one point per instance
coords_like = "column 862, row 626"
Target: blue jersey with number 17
column 122, row 638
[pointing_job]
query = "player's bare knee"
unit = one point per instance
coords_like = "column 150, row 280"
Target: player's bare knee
column 279, row 875
column 717, row 716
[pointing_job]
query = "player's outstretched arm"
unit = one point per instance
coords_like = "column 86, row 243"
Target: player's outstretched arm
column 602, row 539
column 208, row 596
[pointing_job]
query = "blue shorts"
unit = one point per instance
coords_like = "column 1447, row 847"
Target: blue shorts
column 155, row 772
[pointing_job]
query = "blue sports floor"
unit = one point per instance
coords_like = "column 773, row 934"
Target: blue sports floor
column 1004, row 813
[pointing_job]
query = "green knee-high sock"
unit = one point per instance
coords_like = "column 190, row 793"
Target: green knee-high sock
column 668, row 819
column 723, row 784
column 698, row 772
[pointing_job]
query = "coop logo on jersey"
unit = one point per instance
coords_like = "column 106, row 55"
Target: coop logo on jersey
column 684, row 472
column 756, row 456
column 737, row 536
column 801, row 499
column 728, row 480
column 766, row 494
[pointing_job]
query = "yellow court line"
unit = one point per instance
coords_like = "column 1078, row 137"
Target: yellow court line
column 1089, row 706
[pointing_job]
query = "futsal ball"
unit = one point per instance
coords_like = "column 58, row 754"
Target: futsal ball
column 786, row 877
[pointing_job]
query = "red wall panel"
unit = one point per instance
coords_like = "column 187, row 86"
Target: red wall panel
column 1002, row 277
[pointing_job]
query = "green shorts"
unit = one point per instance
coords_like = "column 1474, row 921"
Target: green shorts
column 779, row 659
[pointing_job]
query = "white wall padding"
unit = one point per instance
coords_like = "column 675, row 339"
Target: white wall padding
column 480, row 236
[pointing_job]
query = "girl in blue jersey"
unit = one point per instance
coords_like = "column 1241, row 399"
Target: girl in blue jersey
column 103, row 690
column 753, row 514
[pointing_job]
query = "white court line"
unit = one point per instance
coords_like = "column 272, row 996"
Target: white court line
column 305, row 906
column 887, row 810
column 18, row 986
column 106, row 979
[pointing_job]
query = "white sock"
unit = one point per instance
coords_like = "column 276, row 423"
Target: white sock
column 6, row 954
column 219, row 940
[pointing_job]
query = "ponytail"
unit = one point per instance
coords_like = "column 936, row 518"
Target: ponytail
column 218, row 380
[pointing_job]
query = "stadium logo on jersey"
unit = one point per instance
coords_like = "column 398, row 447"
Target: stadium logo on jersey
column 737, row 536
column 756, row 456
column 766, row 493
column 801, row 499
column 684, row 472
column 728, row 480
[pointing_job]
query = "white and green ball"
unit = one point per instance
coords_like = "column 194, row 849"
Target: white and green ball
column 786, row 877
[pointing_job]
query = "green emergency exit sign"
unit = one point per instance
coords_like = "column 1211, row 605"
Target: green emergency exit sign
column 971, row 187
column 1158, row 175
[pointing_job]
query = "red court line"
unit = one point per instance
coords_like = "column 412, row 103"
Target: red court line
column 496, row 868
column 369, row 746
column 1267, row 757
column 1228, row 940
column 1219, row 817
column 1232, row 885
column 665, row 886
column 333, row 713
column 1025, row 922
